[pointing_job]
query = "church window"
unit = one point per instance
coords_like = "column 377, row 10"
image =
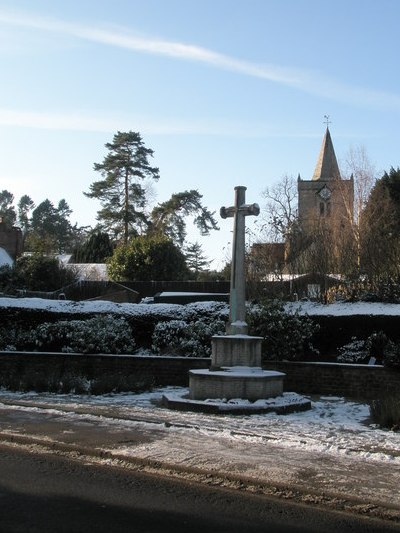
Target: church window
column 328, row 209
column 322, row 209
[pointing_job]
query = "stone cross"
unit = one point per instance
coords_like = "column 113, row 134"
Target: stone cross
column 237, row 315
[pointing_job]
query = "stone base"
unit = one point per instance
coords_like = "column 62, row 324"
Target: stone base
column 235, row 350
column 289, row 402
column 249, row 383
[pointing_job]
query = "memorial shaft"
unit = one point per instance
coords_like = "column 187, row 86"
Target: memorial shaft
column 237, row 315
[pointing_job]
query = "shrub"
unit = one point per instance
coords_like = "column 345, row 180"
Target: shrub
column 386, row 412
column 101, row 334
column 359, row 351
column 391, row 355
column 376, row 345
column 208, row 310
column 41, row 273
column 189, row 339
column 14, row 338
column 147, row 258
column 287, row 335
column 354, row 351
column 10, row 279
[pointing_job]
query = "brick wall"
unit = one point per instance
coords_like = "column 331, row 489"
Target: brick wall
column 353, row 381
column 36, row 370
column 43, row 371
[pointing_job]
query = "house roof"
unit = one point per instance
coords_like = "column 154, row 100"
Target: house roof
column 327, row 167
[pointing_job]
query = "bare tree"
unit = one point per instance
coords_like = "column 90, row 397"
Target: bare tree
column 280, row 209
column 358, row 167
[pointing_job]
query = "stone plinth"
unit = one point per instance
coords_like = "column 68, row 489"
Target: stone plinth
column 235, row 350
column 250, row 383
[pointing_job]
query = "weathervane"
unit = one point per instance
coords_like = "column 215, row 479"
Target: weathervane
column 327, row 121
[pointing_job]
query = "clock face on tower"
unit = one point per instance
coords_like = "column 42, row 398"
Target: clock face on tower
column 325, row 193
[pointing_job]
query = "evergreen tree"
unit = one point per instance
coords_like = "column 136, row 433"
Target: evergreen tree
column 25, row 206
column 195, row 259
column 97, row 249
column 41, row 238
column 7, row 212
column 147, row 258
column 121, row 191
column 168, row 218
column 63, row 229
column 380, row 230
column 50, row 230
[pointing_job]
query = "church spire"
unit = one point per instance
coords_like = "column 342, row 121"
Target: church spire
column 327, row 167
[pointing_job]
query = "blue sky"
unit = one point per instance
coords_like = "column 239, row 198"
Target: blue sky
column 226, row 93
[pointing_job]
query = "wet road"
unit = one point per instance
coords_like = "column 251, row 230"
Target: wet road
column 44, row 492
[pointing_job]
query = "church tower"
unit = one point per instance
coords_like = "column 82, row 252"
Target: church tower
column 325, row 200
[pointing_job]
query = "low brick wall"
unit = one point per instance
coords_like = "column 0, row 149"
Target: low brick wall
column 35, row 371
column 353, row 381
column 44, row 371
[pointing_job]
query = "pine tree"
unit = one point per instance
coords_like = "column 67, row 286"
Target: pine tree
column 121, row 191
column 96, row 249
column 7, row 212
column 168, row 218
column 195, row 259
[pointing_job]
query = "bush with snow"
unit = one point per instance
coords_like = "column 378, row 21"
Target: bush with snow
column 178, row 337
column 174, row 329
column 189, row 334
column 101, row 334
column 359, row 351
column 287, row 335
column 354, row 352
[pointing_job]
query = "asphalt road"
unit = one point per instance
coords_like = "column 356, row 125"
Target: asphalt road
column 45, row 492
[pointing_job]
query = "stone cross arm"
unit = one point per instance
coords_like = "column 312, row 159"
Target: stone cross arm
column 245, row 210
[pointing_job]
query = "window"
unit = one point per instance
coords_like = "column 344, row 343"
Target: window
column 328, row 209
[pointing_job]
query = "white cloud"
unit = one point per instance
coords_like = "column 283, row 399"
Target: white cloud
column 304, row 80
column 51, row 121
column 123, row 38
column 82, row 122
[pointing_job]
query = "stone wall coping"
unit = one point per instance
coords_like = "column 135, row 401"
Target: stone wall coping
column 110, row 355
column 325, row 363
column 238, row 372
column 239, row 336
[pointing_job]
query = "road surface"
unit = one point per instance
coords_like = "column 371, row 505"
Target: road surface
column 44, row 492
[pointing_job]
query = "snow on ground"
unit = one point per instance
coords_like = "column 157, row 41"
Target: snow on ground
column 334, row 425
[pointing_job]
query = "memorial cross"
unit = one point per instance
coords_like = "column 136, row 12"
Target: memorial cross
column 237, row 309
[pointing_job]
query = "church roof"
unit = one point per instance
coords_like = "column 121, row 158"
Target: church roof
column 327, row 167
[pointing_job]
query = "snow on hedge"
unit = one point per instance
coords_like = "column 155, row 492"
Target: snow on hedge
column 98, row 306
column 345, row 308
column 309, row 308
